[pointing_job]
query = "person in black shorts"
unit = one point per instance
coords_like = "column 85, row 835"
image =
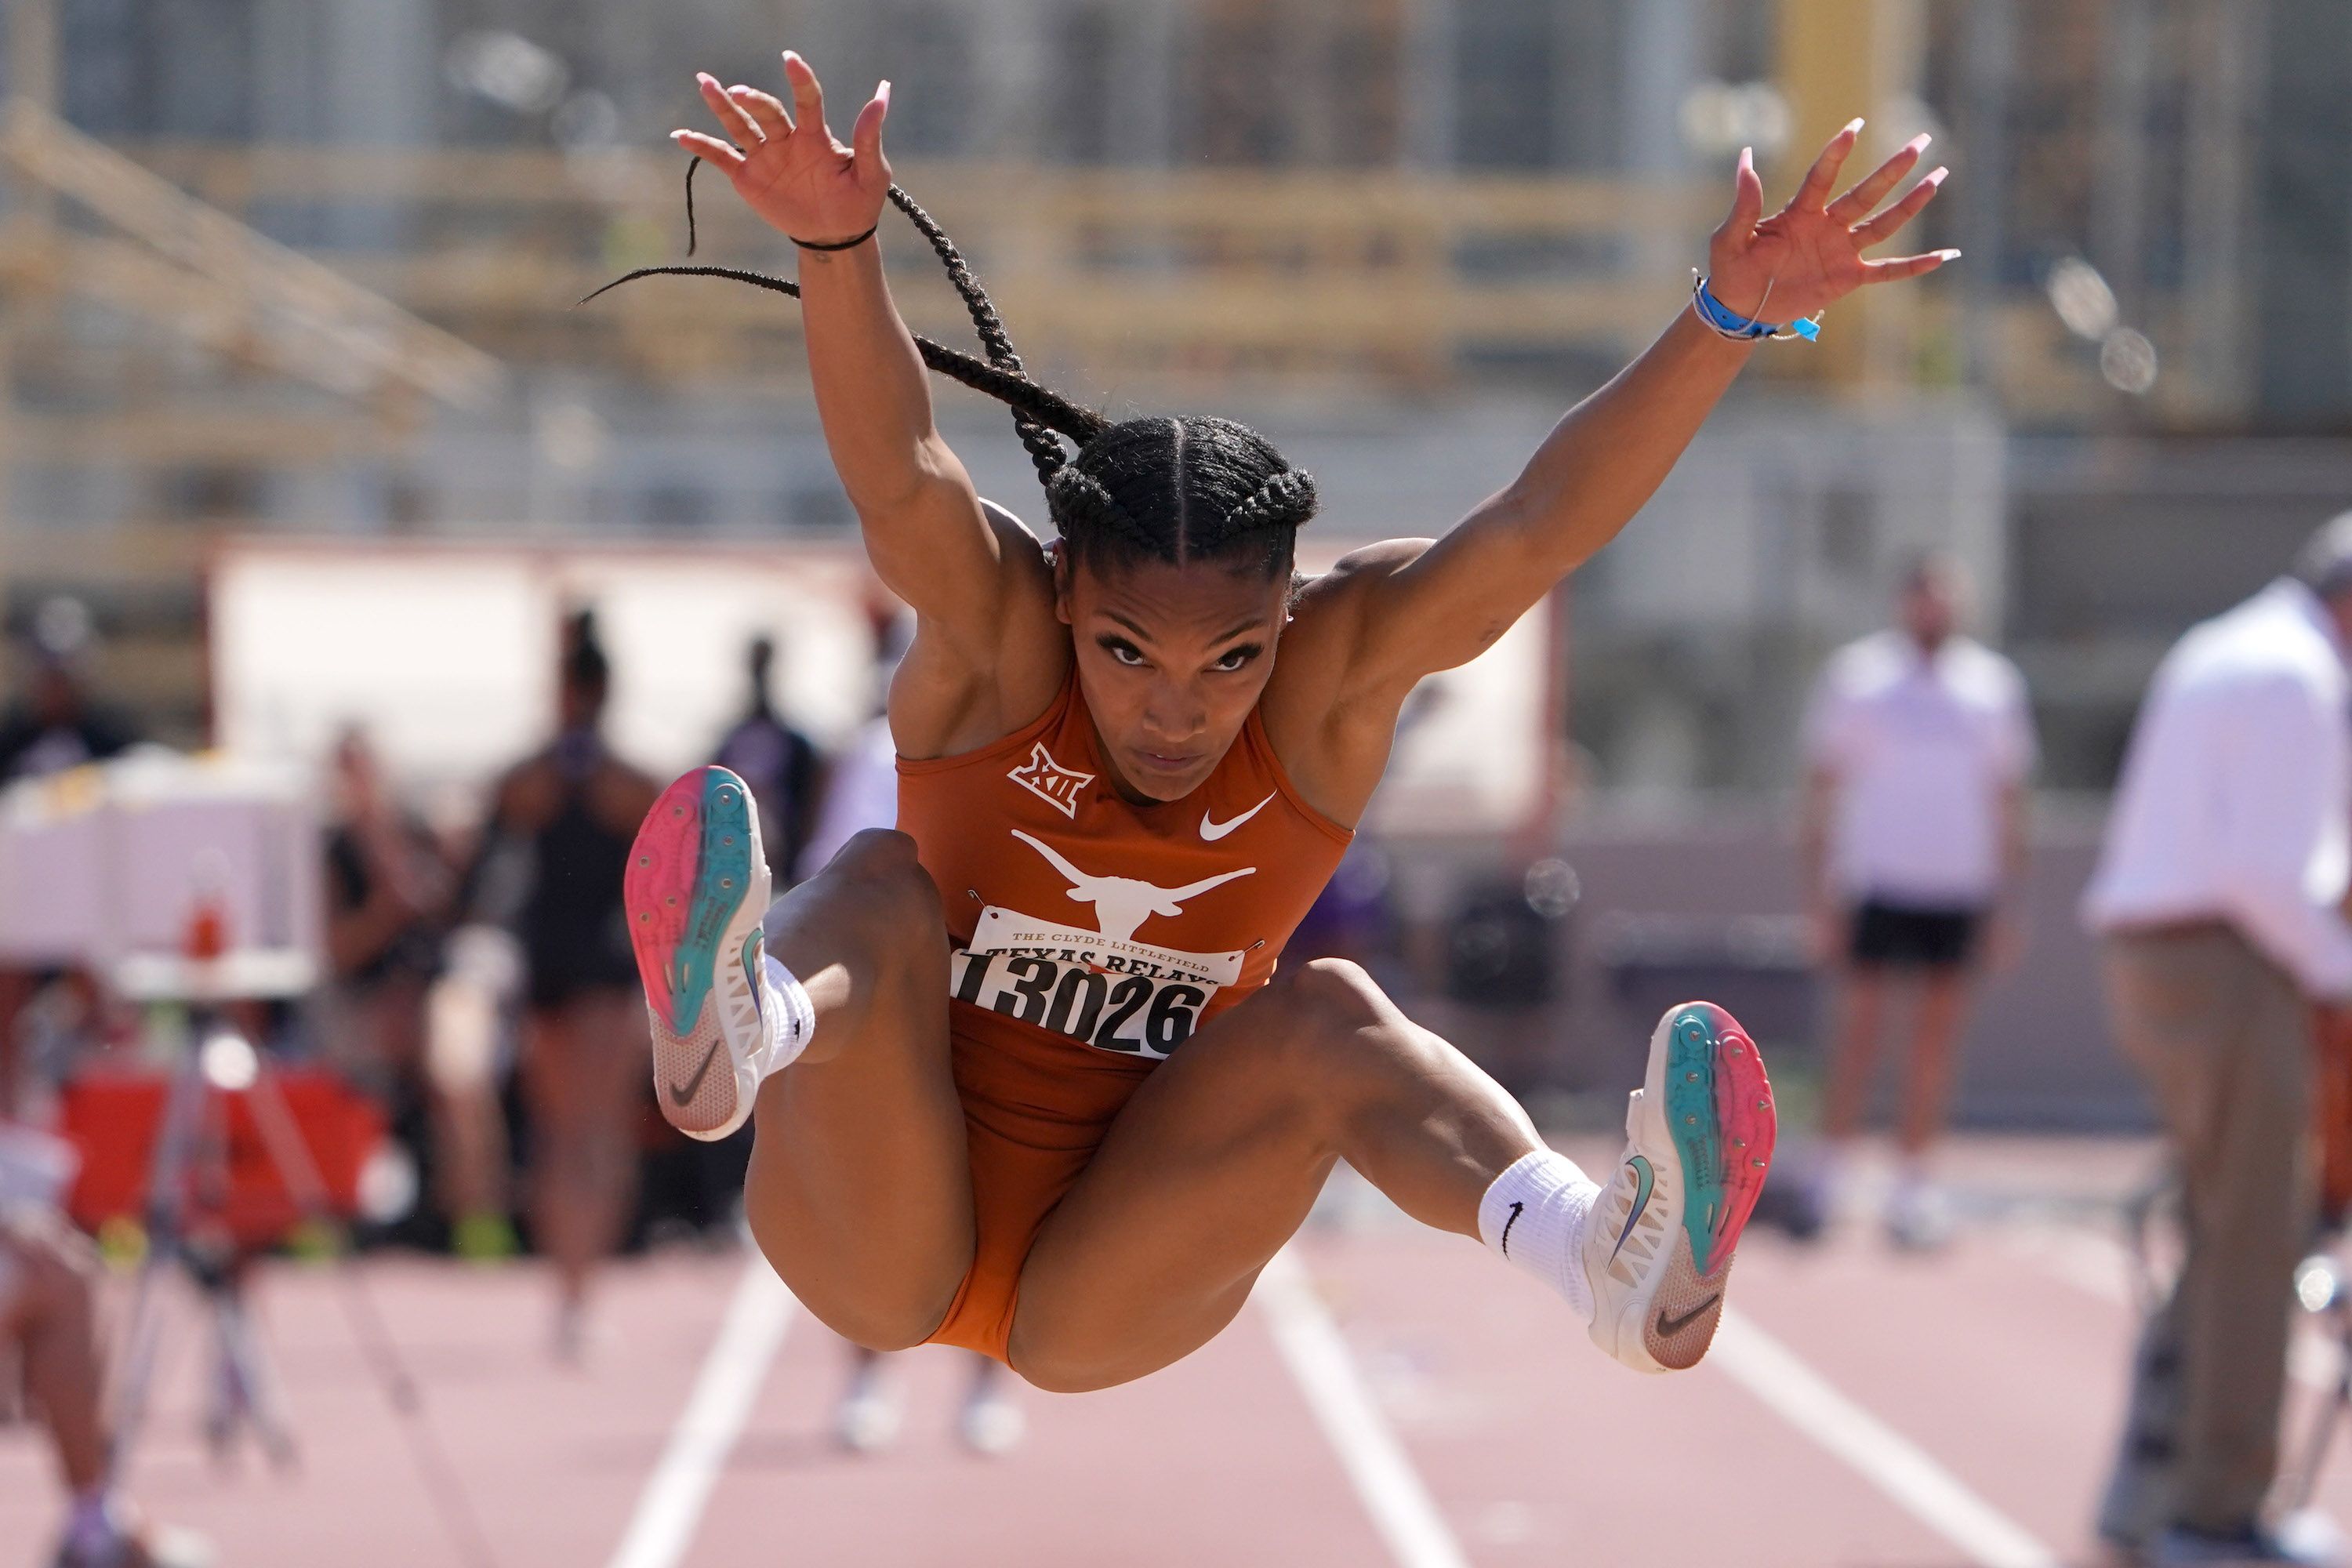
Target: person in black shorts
column 1919, row 745
column 553, row 854
column 1902, row 936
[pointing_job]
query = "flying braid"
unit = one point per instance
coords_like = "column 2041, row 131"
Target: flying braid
column 1037, row 413
column 1171, row 491
column 1043, row 451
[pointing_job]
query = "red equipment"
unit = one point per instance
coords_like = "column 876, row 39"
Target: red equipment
column 236, row 1182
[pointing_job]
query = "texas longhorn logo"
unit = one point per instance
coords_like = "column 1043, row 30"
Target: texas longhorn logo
column 1123, row 903
column 1050, row 782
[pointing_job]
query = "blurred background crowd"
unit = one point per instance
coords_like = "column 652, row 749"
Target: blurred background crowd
column 310, row 465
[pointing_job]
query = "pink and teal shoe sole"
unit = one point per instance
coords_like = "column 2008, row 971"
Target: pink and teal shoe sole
column 689, row 871
column 1720, row 1114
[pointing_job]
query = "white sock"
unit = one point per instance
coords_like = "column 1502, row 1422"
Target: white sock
column 1536, row 1214
column 794, row 1020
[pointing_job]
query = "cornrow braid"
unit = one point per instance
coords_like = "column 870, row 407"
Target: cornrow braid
column 1286, row 499
column 1081, row 506
column 1181, row 490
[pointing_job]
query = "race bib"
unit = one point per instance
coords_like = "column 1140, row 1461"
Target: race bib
column 1114, row 994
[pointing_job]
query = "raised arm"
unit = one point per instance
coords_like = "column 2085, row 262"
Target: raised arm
column 930, row 539
column 1420, row 608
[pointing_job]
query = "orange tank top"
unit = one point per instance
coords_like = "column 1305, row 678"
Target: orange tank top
column 1086, row 918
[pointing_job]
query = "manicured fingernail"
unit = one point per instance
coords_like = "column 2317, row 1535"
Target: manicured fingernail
column 1852, row 126
column 1919, row 143
column 792, row 57
column 1948, row 255
column 705, row 76
column 882, row 91
column 1936, row 178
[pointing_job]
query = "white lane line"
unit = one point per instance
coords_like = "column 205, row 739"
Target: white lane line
column 1884, row 1457
column 1386, row 1483
column 671, row 1508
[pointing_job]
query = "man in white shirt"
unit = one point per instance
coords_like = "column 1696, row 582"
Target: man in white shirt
column 2219, row 901
column 1919, row 742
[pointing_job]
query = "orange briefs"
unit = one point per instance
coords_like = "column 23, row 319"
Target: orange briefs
column 1036, row 1108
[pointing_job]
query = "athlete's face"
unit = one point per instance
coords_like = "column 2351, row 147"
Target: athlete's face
column 1171, row 659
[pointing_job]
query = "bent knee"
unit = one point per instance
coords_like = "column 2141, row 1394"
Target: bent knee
column 1052, row 1376
column 1336, row 1035
column 1054, row 1364
column 876, row 891
column 1329, row 1000
column 883, row 1326
column 884, row 883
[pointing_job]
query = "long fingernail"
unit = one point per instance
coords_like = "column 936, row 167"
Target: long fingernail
column 1948, row 255
column 790, row 57
column 882, row 91
column 1919, row 143
column 1936, row 178
column 705, row 76
column 1852, row 126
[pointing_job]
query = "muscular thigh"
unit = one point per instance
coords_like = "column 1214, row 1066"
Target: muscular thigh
column 859, row 1189
column 1202, row 1177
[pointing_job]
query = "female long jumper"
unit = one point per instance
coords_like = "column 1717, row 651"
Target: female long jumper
column 1026, row 1075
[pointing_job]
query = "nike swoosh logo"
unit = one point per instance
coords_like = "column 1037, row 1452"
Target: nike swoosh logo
column 1669, row 1327
column 1646, row 1182
column 681, row 1094
column 1505, row 1242
column 754, row 947
column 1214, row 830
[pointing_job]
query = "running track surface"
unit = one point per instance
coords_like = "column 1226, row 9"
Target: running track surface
column 1392, row 1397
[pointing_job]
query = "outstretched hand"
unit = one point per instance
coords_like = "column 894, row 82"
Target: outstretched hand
column 786, row 165
column 1809, row 254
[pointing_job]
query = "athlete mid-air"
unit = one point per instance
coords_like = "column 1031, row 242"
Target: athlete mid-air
column 1025, row 1075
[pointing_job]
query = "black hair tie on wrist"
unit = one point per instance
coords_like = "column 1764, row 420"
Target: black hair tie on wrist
column 839, row 243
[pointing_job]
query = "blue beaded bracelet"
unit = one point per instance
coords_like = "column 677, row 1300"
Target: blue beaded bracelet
column 1729, row 323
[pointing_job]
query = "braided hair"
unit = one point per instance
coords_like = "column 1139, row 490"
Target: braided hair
column 1168, row 489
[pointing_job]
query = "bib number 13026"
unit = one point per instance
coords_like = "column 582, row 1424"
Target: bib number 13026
column 1133, row 1014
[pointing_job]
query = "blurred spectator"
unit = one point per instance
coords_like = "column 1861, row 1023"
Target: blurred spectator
column 1352, row 918
column 48, row 1310
column 1919, row 742
column 552, row 858
column 389, row 898
column 780, row 765
column 861, row 780
column 2219, row 898
column 56, row 725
